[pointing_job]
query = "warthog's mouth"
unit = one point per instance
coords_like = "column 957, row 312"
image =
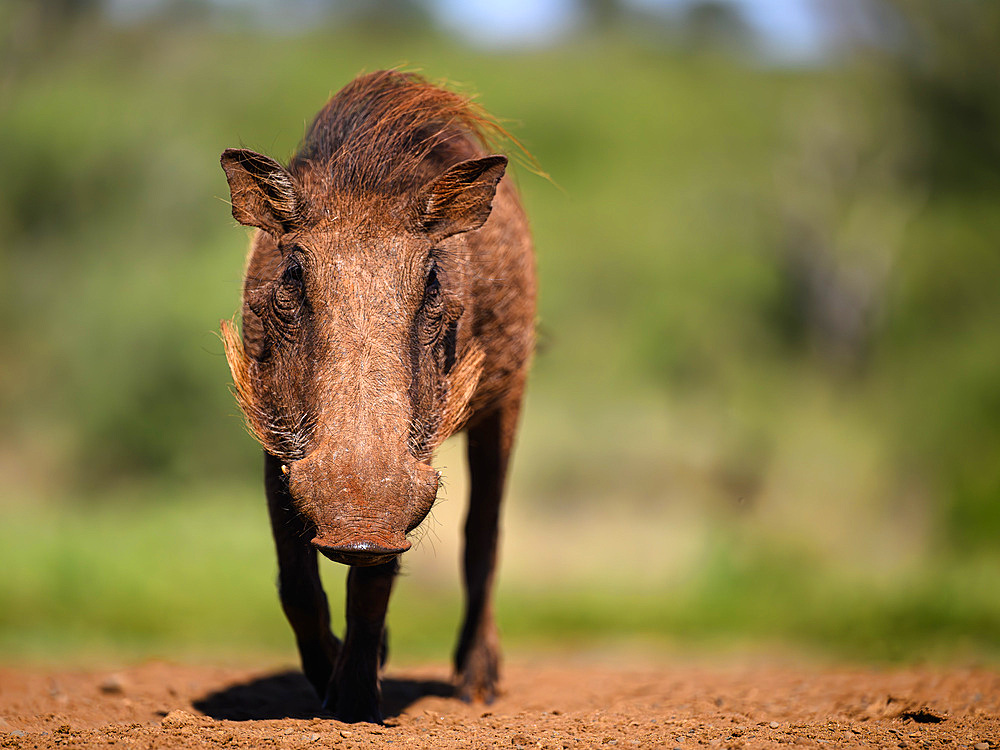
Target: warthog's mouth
column 362, row 553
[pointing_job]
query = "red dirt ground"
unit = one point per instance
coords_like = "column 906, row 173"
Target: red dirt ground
column 570, row 703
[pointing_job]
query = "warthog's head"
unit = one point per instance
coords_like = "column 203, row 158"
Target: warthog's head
column 355, row 360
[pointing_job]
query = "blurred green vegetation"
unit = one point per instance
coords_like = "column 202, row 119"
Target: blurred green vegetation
column 766, row 406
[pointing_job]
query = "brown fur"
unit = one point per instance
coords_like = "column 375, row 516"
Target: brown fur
column 388, row 302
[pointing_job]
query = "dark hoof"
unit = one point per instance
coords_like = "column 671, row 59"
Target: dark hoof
column 479, row 684
column 477, row 693
column 354, row 712
column 353, row 707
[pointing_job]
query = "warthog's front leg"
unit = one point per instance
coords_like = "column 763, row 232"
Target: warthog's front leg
column 477, row 658
column 354, row 694
column 299, row 585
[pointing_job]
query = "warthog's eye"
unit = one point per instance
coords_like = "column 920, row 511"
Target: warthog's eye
column 286, row 302
column 432, row 307
column 439, row 316
column 292, row 275
column 432, row 288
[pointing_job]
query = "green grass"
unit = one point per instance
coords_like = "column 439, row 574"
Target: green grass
column 188, row 573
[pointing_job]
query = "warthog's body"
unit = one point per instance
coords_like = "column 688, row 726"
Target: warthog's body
column 388, row 301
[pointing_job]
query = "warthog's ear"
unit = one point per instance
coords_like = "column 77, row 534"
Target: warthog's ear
column 460, row 200
column 263, row 193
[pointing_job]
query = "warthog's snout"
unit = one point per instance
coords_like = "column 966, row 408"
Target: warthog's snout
column 362, row 552
column 361, row 516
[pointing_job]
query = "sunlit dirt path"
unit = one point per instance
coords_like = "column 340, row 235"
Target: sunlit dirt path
column 567, row 703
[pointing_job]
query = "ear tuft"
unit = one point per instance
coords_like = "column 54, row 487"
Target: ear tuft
column 263, row 193
column 461, row 199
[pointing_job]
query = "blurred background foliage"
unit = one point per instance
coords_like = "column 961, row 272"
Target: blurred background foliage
column 766, row 406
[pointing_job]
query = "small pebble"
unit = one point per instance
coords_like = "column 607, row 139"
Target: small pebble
column 982, row 746
column 312, row 737
column 774, row 725
column 177, row 718
column 112, row 685
column 346, row 733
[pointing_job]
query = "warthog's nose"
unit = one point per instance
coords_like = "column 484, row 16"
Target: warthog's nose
column 362, row 552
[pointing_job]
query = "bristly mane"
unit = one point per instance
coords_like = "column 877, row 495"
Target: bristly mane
column 389, row 132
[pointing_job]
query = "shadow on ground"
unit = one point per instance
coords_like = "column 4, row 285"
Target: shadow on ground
column 288, row 695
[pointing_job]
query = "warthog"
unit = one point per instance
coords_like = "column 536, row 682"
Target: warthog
column 388, row 302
